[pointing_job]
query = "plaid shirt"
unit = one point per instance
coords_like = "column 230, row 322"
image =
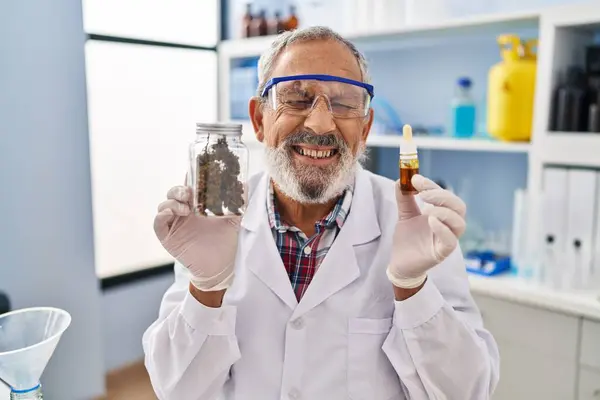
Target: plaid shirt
column 300, row 254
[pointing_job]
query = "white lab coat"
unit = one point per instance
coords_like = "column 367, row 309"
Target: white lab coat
column 346, row 339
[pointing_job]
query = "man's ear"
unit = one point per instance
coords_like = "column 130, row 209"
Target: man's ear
column 367, row 125
column 255, row 110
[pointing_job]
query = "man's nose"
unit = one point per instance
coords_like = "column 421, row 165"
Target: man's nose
column 320, row 120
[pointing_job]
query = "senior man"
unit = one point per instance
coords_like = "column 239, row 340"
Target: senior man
column 333, row 285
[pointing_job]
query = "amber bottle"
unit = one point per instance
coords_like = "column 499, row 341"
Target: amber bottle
column 292, row 21
column 276, row 25
column 260, row 26
column 247, row 22
column 409, row 162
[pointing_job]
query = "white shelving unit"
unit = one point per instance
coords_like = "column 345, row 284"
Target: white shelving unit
column 575, row 149
column 405, row 37
column 444, row 143
column 409, row 36
column 564, row 31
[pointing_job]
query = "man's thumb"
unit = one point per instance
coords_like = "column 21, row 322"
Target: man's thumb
column 407, row 204
column 162, row 223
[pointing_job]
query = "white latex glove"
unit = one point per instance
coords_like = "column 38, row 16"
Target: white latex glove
column 423, row 240
column 204, row 245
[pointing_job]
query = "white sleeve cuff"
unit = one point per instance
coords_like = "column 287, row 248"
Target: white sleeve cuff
column 208, row 320
column 419, row 308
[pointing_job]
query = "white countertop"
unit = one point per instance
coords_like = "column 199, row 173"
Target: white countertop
column 512, row 288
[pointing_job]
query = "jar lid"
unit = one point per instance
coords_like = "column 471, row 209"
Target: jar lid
column 221, row 128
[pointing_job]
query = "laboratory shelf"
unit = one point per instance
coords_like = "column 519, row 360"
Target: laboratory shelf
column 470, row 28
column 430, row 143
column 406, row 36
column 585, row 304
column 447, row 143
column 571, row 149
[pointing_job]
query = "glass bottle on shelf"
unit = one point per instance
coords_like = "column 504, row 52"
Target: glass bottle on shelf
column 280, row 23
column 292, row 22
column 218, row 170
column 247, row 21
column 570, row 102
column 276, row 25
column 463, row 110
column 260, row 25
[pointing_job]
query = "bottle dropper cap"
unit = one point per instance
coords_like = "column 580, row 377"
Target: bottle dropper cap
column 407, row 145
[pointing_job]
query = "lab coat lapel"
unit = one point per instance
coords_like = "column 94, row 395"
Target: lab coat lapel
column 262, row 257
column 340, row 268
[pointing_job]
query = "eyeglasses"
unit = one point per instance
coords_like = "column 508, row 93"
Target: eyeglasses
column 299, row 95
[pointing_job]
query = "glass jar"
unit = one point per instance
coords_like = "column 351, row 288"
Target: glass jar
column 218, row 170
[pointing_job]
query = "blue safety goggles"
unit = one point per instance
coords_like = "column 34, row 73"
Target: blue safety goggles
column 299, row 95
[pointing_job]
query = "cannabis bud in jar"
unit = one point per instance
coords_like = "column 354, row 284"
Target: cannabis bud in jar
column 219, row 164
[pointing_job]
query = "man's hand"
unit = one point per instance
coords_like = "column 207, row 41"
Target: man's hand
column 424, row 239
column 206, row 246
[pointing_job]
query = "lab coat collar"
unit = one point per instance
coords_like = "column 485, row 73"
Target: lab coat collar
column 258, row 246
column 339, row 267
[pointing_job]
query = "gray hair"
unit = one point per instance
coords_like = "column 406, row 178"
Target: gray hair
column 268, row 58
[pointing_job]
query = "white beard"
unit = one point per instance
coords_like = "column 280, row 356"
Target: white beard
column 310, row 184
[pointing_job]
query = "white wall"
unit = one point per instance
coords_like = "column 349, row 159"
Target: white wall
column 46, row 242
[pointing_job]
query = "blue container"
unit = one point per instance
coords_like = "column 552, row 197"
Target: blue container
column 487, row 263
column 463, row 110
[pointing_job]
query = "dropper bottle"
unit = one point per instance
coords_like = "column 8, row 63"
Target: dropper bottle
column 409, row 161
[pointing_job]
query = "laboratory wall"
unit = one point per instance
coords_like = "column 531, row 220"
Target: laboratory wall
column 127, row 311
column 57, row 109
column 46, row 240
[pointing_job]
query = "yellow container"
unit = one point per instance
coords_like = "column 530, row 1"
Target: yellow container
column 511, row 89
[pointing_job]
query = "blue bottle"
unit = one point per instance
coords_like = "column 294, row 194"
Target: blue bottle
column 463, row 110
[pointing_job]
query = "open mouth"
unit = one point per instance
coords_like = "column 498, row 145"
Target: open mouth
column 317, row 154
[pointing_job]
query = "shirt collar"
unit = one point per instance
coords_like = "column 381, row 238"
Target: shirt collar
column 337, row 215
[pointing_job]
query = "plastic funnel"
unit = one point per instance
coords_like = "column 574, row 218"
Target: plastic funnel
column 28, row 339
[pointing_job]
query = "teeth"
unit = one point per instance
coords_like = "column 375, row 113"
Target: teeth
column 315, row 153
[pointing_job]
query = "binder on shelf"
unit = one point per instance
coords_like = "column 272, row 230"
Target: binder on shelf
column 595, row 281
column 554, row 224
column 581, row 192
column 519, row 233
